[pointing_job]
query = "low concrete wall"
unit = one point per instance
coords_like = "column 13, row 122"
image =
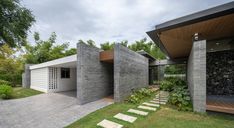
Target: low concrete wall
column 196, row 75
column 94, row 78
column 130, row 72
column 26, row 76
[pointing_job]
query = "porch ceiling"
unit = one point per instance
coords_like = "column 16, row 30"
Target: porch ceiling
column 175, row 37
column 178, row 41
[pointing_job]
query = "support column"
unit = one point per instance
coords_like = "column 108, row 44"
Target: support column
column 94, row 78
column 196, row 75
column 26, row 76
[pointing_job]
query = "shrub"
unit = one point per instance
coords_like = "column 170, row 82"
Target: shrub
column 166, row 85
column 5, row 91
column 179, row 94
column 176, row 81
column 180, row 97
column 3, row 82
column 139, row 95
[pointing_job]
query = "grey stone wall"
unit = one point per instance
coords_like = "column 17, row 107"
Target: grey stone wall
column 26, row 76
column 220, row 73
column 196, row 75
column 130, row 72
column 94, row 78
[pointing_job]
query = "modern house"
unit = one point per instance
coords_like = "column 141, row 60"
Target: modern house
column 92, row 73
column 205, row 41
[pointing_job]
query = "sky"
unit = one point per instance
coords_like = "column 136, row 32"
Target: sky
column 106, row 20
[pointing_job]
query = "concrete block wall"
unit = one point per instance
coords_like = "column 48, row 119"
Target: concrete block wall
column 130, row 72
column 94, row 78
column 196, row 75
column 26, row 76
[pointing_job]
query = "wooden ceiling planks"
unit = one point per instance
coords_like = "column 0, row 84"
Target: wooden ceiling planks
column 178, row 41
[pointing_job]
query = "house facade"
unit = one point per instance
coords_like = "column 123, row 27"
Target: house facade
column 92, row 73
column 205, row 41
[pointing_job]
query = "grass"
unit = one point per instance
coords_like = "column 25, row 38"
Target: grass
column 19, row 92
column 165, row 117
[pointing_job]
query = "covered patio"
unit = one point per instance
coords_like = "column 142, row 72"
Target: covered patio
column 206, row 41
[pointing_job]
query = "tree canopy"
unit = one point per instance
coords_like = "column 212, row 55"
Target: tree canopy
column 46, row 50
column 15, row 21
column 10, row 65
column 143, row 44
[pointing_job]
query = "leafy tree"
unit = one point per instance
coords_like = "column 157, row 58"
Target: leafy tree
column 15, row 21
column 148, row 47
column 88, row 42
column 142, row 44
column 47, row 50
column 107, row 46
column 10, row 67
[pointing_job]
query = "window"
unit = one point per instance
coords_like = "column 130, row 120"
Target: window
column 65, row 72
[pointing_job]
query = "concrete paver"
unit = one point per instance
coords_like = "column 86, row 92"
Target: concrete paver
column 51, row 110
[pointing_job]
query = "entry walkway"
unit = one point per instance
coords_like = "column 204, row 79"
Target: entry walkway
column 141, row 110
column 53, row 110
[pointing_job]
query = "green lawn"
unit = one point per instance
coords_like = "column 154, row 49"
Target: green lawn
column 19, row 92
column 166, row 117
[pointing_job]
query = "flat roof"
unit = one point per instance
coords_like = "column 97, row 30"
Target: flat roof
column 171, row 35
column 147, row 55
column 66, row 61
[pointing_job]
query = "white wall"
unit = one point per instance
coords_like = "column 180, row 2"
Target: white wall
column 39, row 79
column 66, row 84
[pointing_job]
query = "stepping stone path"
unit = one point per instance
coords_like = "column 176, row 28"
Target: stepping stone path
column 155, row 102
column 124, row 117
column 138, row 112
column 109, row 124
column 147, row 108
column 150, row 104
column 163, row 97
column 160, row 98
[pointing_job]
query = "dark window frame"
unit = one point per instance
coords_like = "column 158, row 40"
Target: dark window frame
column 65, row 73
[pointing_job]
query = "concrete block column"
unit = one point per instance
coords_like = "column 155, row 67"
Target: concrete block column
column 196, row 75
column 131, row 72
column 94, row 78
column 26, row 76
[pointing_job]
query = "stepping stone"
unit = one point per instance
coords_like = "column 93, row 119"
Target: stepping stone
column 147, row 108
column 138, row 112
column 156, row 102
column 156, row 99
column 109, row 124
column 124, row 117
column 150, row 104
column 162, row 102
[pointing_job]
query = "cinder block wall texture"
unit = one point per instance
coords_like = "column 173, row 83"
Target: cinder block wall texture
column 94, row 78
column 196, row 75
column 130, row 72
column 26, row 76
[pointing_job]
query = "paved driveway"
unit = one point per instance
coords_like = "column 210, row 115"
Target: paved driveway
column 53, row 110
